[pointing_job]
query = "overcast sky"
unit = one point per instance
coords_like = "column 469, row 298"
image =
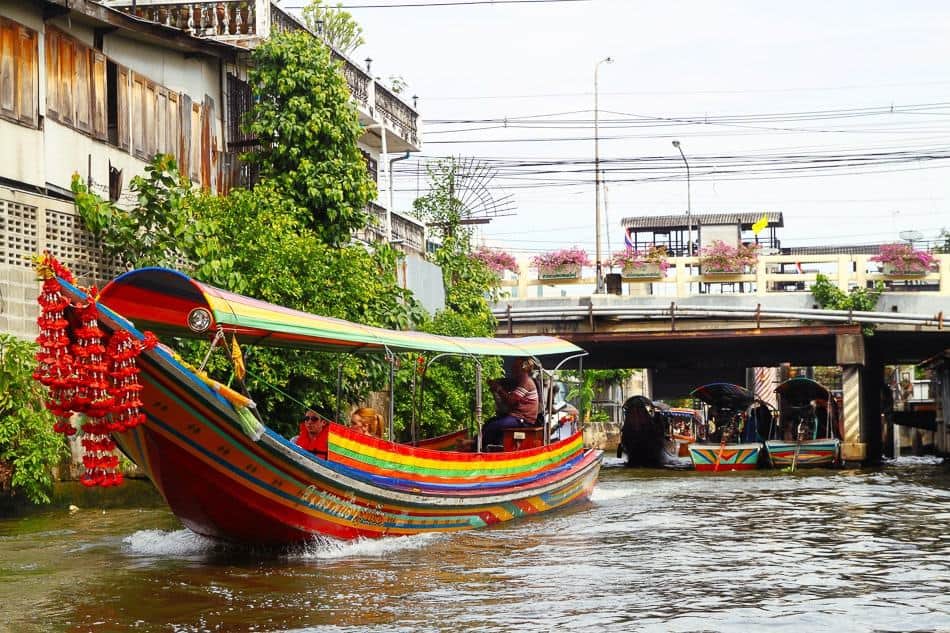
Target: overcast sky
column 774, row 69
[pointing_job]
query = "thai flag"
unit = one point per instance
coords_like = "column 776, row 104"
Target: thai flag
column 798, row 267
column 626, row 240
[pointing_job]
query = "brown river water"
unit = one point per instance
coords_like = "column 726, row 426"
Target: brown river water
column 668, row 550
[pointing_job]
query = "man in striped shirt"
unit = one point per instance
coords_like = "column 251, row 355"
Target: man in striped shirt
column 519, row 396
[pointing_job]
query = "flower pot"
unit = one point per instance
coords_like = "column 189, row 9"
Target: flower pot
column 725, row 273
column 566, row 271
column 892, row 270
column 642, row 271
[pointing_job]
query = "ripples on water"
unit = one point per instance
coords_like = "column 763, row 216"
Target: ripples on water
column 653, row 551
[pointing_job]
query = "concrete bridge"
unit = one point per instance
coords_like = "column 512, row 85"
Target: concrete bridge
column 715, row 333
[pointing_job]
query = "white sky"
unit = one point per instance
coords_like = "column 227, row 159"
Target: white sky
column 677, row 59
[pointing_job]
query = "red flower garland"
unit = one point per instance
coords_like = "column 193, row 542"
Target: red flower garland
column 98, row 381
column 54, row 362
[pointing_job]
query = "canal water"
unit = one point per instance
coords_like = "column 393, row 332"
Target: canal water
column 654, row 551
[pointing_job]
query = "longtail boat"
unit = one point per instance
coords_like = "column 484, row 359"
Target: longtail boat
column 222, row 471
column 728, row 441
column 681, row 427
column 807, row 431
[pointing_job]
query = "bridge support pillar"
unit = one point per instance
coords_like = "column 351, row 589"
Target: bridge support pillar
column 852, row 448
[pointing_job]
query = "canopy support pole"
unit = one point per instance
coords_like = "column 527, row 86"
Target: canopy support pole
column 478, row 401
column 392, row 391
column 339, row 393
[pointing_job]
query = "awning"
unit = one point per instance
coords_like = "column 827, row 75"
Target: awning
column 164, row 301
column 724, row 394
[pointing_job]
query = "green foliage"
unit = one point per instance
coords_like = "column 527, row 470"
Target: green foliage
column 256, row 243
column 448, row 400
column 588, row 382
column 28, row 444
column 337, row 27
column 303, row 105
column 830, row 297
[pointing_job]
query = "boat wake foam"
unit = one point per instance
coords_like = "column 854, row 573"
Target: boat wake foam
column 326, row 548
column 162, row 543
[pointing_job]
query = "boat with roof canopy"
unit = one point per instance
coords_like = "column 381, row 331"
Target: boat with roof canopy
column 729, row 438
column 219, row 467
column 807, row 432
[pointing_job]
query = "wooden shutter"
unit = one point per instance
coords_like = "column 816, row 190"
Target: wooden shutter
column 194, row 160
column 122, row 106
column 82, row 94
column 52, row 74
column 207, row 144
column 150, row 104
column 184, row 157
column 8, row 68
column 66, row 79
column 173, row 126
column 27, row 86
column 161, row 126
column 99, row 97
column 138, row 117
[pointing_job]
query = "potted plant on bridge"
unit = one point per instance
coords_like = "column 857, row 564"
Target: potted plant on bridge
column 721, row 258
column 639, row 265
column 563, row 264
column 903, row 260
column 496, row 261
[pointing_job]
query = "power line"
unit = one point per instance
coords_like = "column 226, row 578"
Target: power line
column 740, row 91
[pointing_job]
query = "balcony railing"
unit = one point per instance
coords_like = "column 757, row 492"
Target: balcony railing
column 406, row 231
column 242, row 22
column 221, row 19
column 400, row 117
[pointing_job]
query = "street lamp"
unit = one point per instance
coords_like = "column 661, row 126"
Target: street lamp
column 597, row 213
column 689, row 220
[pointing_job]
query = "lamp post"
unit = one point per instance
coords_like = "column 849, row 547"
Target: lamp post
column 689, row 221
column 597, row 213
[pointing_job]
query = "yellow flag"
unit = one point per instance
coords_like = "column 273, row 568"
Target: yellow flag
column 762, row 223
column 237, row 358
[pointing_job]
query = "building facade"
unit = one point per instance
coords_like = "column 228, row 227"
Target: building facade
column 97, row 90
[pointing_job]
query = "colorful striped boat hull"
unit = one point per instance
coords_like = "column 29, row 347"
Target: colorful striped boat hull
column 224, row 484
column 730, row 457
column 814, row 453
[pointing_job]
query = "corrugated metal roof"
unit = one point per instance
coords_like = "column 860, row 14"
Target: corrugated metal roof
column 850, row 249
column 668, row 222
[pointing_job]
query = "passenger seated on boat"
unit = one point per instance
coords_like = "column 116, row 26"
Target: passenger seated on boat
column 366, row 420
column 520, row 396
column 314, row 434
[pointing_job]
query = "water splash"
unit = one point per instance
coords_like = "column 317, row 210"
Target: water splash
column 175, row 544
column 326, row 548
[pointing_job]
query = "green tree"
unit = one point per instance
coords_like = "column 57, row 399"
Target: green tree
column 237, row 242
column 337, row 27
column 309, row 131
column 29, row 449
column 831, row 297
column 448, row 401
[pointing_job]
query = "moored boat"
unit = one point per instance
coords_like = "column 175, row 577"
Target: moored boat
column 807, row 431
column 727, row 440
column 227, row 475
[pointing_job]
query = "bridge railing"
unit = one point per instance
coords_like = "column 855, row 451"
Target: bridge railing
column 773, row 274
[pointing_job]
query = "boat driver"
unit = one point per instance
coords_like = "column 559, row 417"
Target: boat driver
column 520, row 395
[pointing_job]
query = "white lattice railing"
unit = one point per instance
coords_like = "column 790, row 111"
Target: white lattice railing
column 31, row 224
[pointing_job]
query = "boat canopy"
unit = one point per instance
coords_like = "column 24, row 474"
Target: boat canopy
column 801, row 390
column 724, row 394
column 171, row 303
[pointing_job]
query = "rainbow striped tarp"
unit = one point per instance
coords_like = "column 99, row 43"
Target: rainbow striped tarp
column 162, row 300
